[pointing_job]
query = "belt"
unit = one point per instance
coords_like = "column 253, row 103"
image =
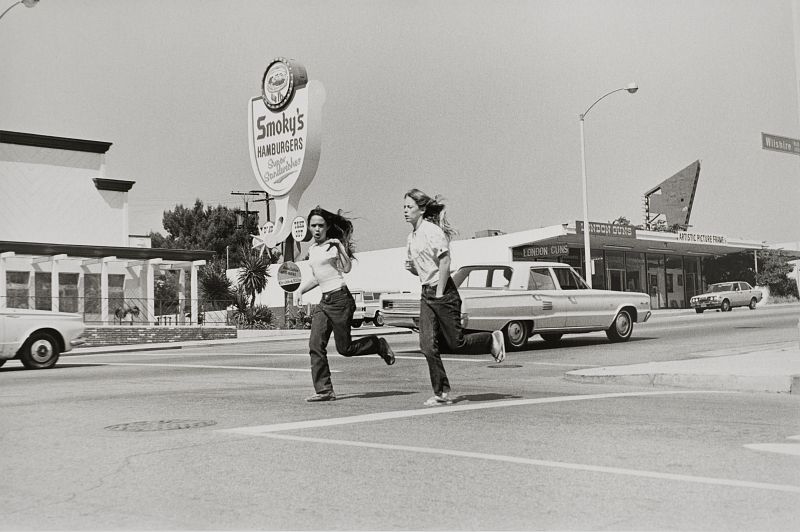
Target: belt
column 340, row 289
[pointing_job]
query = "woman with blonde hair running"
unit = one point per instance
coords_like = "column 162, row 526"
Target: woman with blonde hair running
column 440, row 303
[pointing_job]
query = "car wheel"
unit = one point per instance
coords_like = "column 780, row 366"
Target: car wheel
column 621, row 328
column 378, row 321
column 40, row 351
column 516, row 334
column 699, row 310
column 357, row 323
column 753, row 304
column 726, row 306
column 552, row 338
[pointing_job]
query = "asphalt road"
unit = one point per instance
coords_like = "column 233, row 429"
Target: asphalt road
column 220, row 438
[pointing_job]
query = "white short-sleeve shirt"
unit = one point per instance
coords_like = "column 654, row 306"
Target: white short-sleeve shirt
column 327, row 268
column 426, row 246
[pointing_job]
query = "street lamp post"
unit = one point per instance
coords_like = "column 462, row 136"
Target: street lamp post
column 631, row 88
column 26, row 3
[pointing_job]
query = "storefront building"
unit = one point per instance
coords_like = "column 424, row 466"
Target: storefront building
column 667, row 266
column 64, row 242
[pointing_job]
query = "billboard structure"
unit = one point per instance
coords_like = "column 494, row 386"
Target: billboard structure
column 670, row 202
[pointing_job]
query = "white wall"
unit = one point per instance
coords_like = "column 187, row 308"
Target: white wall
column 47, row 195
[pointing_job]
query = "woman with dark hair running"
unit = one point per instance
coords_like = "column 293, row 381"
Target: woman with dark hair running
column 331, row 256
column 440, row 303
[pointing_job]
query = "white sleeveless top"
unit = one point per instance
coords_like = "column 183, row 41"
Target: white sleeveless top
column 326, row 266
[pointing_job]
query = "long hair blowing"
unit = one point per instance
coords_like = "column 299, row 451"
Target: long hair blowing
column 433, row 210
column 339, row 227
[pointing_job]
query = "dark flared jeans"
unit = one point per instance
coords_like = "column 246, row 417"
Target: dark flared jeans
column 440, row 331
column 333, row 314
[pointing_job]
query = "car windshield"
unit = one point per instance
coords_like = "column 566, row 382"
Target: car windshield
column 721, row 287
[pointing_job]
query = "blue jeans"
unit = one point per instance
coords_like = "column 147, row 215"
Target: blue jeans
column 333, row 314
column 440, row 323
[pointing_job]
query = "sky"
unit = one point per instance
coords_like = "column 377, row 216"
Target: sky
column 477, row 101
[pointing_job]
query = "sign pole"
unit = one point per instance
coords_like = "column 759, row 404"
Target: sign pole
column 288, row 256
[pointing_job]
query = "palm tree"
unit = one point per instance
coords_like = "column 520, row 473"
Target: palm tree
column 253, row 275
column 215, row 287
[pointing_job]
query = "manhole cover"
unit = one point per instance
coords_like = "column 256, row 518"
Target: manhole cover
column 164, row 424
column 502, row 366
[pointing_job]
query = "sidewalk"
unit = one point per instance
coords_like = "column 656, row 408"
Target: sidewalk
column 776, row 370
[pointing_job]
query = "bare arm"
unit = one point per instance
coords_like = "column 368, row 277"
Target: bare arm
column 344, row 259
column 444, row 274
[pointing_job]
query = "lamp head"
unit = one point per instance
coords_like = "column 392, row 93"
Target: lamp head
column 632, row 87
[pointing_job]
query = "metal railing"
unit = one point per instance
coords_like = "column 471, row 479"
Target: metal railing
column 130, row 311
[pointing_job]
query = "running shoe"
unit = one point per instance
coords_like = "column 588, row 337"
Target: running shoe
column 439, row 400
column 326, row 396
column 498, row 346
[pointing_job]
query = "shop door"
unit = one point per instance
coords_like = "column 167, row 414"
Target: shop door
column 656, row 281
column 616, row 280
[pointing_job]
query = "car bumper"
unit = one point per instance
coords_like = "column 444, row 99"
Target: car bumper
column 401, row 320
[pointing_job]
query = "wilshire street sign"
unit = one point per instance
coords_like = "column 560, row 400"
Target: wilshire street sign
column 783, row 144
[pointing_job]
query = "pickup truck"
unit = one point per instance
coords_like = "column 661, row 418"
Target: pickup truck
column 524, row 298
column 726, row 296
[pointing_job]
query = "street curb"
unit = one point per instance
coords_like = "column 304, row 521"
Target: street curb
column 278, row 336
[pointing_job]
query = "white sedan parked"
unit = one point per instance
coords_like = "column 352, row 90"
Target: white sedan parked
column 38, row 337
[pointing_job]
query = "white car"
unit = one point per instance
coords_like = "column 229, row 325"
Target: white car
column 38, row 337
column 726, row 296
column 526, row 298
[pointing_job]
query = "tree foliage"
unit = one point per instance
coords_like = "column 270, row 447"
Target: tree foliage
column 773, row 270
column 208, row 228
column 215, row 287
column 254, row 273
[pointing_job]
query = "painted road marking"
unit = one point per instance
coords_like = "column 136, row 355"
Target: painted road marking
column 792, row 449
column 202, row 366
column 184, row 353
column 548, row 463
column 399, row 414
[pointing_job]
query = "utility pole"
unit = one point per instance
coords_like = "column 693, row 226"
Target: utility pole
column 246, row 205
column 266, row 199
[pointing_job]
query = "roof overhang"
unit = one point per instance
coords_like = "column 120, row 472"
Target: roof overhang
column 39, row 249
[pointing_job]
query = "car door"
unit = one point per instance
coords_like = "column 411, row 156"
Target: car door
column 550, row 304
column 587, row 309
column 744, row 294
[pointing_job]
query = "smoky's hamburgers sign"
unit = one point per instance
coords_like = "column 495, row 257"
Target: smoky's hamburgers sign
column 285, row 138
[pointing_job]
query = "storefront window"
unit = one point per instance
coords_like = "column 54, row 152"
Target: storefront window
column 599, row 264
column 656, row 280
column 91, row 296
column 674, row 282
column 17, row 291
column 615, row 269
column 116, row 294
column 692, row 280
column 42, row 281
column 68, row 292
column 635, row 272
